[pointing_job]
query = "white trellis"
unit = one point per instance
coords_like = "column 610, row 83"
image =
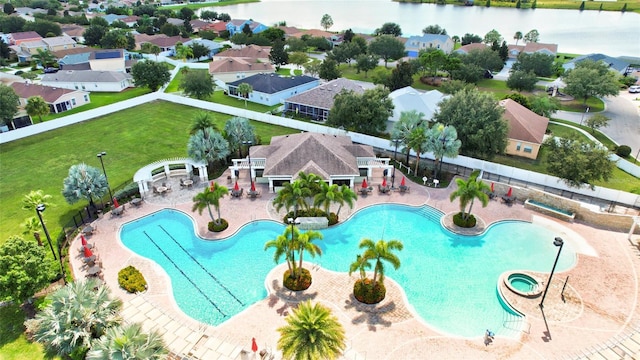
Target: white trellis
column 145, row 175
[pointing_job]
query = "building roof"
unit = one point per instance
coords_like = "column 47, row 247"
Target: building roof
column 130, row 19
column 273, row 83
column 107, row 54
column 289, row 30
column 86, row 76
column 216, row 26
column 524, row 124
column 175, row 21
column 232, row 65
column 314, row 33
column 322, row 96
column 79, row 49
column 408, row 98
column 212, row 45
column 249, row 51
column 425, row 38
column 73, row 30
column 25, row 35
column 532, row 47
column 80, row 58
column 166, row 41
column 198, row 24
column 59, row 40
column 322, row 154
column 473, row 46
column 48, row 93
column 614, row 63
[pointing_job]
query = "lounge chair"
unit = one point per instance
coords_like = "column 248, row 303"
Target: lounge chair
column 383, row 189
column 364, row 191
column 404, row 189
column 253, row 194
column 237, row 193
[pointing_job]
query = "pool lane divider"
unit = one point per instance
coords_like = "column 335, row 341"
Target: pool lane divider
column 202, row 267
column 185, row 275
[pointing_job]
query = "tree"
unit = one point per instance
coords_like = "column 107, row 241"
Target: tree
column 484, row 58
column 590, row 78
column 518, row 4
column 183, row 52
column 186, row 13
column 521, row 80
column 5, row 52
column 312, row 332
column 11, row 24
column 294, row 44
column 543, row 104
column 581, row 6
column 346, row 52
column 201, row 122
column 93, row 34
column 43, row 27
column 116, row 39
column 210, row 196
column 236, row 130
column 328, row 70
column 32, row 226
column 366, row 113
column 298, row 58
column 198, row 84
column 44, row 57
column 387, row 47
column 409, row 120
column 578, row 163
column 401, row 76
column 478, row 120
column 36, row 106
column 313, row 67
column 470, row 39
column 208, row 146
column 326, row 21
column 520, row 99
column 468, row 73
column 380, row 251
column 24, row 269
column 434, row 29
column 517, row 37
column 84, row 182
column 492, row 36
column 149, row 48
column 128, row 342
column 8, row 9
column 432, row 60
column 365, row 62
column 597, row 121
column 327, row 196
column 278, row 55
column 77, row 314
column 504, row 51
column 150, row 74
column 199, row 50
column 273, row 34
column 469, row 190
column 389, row 28
column 442, row 141
column 541, row 64
column 532, row 36
column 347, row 196
column 293, row 196
column 244, row 90
column 9, row 101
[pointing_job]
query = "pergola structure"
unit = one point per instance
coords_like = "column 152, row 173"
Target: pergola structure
column 164, row 169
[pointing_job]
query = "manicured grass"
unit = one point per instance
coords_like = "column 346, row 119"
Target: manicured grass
column 13, row 343
column 597, row 134
column 563, row 131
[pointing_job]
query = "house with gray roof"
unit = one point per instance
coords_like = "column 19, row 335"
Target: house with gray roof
column 93, row 81
column 213, row 47
column 317, row 102
column 428, row 41
column 58, row 99
column 408, row 99
column 113, row 17
column 616, row 64
column 98, row 60
column 272, row 89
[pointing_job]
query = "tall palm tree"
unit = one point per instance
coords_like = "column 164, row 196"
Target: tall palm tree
column 202, row 121
column 32, row 226
column 183, row 52
column 304, row 242
column 210, row 196
column 292, row 195
column 208, row 146
column 78, row 313
column 36, row 106
column 469, row 190
column 35, row 198
column 361, row 265
column 409, row 120
column 417, row 141
column 244, row 90
column 236, row 130
column 44, row 57
column 84, row 182
column 328, row 195
column 442, row 141
column 128, row 342
column 348, row 197
column 283, row 245
column 312, row 332
column 517, row 37
column 380, row 251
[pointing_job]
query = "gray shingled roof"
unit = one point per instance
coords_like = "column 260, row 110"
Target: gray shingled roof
column 273, row 83
column 322, row 96
column 86, row 75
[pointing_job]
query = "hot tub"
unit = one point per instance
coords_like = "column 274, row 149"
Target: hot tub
column 523, row 284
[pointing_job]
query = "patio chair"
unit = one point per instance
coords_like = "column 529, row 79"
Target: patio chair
column 155, row 190
column 404, row 189
column 383, row 189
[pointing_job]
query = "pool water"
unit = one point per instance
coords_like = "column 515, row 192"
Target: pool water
column 522, row 282
column 449, row 280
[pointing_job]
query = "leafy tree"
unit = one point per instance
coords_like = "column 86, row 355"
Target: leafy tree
column 492, row 36
column 468, row 73
column 534, row 4
column 432, row 60
column 517, row 37
column 348, row 35
column 236, row 130
column 380, row 252
column 169, row 29
column 578, row 163
column 298, row 58
column 273, row 34
column 470, row 39
column 581, row 6
column 208, row 146
column 246, row 29
column 345, row 52
column 8, row 9
column 365, row 62
column 128, row 342
column 544, row 105
column 278, row 55
column 318, row 42
column 202, row 121
column 326, row 21
column 532, row 36
column 541, row 64
column 520, row 99
column 366, row 113
column 24, row 269
column 94, row 34
column 99, row 21
column 240, row 38
column 43, row 27
column 199, row 50
column 77, row 314
column 117, row 39
column 84, row 182
column 387, row 47
column 44, row 57
column 198, row 84
column 313, row 67
column 469, row 190
column 434, row 29
column 296, row 45
column 478, row 120
column 442, row 141
column 8, row 104
column 312, row 332
column 224, row 17
column 186, row 13
column 328, row 70
column 597, row 121
column 5, row 52
column 503, row 51
column 244, row 90
column 453, row 86
column 146, row 9
column 362, row 44
column 149, row 48
column 521, row 80
column 11, row 24
column 208, row 15
column 210, row 196
column 36, row 106
column 590, row 78
column 518, row 4
column 484, row 58
column 401, row 76
column 150, row 74
column 389, row 28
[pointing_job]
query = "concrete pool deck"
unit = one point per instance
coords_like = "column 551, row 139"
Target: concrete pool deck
column 599, row 310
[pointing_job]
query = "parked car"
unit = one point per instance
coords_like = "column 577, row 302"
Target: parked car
column 50, row 70
column 634, row 89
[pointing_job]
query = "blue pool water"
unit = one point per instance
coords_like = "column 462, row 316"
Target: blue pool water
column 450, row 280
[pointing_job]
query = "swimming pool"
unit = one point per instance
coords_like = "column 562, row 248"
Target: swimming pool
column 450, row 280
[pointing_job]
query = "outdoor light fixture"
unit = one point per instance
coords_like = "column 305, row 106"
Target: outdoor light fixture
column 393, row 175
column 100, row 155
column 249, row 143
column 39, row 209
column 557, row 242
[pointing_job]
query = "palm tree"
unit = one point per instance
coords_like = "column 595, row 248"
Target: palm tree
column 236, row 130
column 409, row 120
column 33, row 226
column 470, row 190
column 36, row 106
column 244, row 90
column 380, row 251
column 283, row 246
column 84, row 182
column 202, row 121
column 517, row 37
column 77, row 314
column 183, row 52
column 312, row 332
column 292, row 195
column 304, row 242
column 417, row 141
column 210, row 196
column 361, row 265
column 348, row 196
column 127, row 342
column 44, row 57
column 442, row 141
column 208, row 146
column 328, row 194
column 35, row 198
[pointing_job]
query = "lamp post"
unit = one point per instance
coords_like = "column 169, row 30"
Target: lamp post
column 393, row 175
column 557, row 242
column 292, row 221
column 583, row 114
column 100, row 155
column 249, row 143
column 39, row 209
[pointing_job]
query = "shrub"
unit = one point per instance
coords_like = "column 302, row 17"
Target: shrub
column 365, row 291
column 623, row 151
column 333, row 219
column 128, row 191
column 460, row 221
column 19, row 72
column 223, row 225
column 301, row 283
column 131, row 280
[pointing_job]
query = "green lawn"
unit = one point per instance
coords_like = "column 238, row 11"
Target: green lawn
column 13, row 343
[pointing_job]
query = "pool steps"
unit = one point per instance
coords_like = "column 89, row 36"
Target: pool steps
column 431, row 213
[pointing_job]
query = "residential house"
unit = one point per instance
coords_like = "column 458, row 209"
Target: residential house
column 317, row 102
column 20, row 37
column 27, row 12
column 76, row 32
column 131, row 21
column 59, row 99
column 58, row 43
column 213, row 47
column 289, row 30
column 93, row 81
column 466, row 49
column 27, row 49
column 514, row 51
column 198, row 24
column 253, row 53
column 216, row 27
column 167, row 44
column 236, row 25
column 113, row 17
column 230, row 69
column 541, row 48
column 408, row 99
column 272, row 89
column 98, row 60
column 526, row 129
column 615, row 64
column 428, row 41
column 144, row 38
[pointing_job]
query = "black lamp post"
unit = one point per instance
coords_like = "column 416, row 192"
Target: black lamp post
column 292, row 221
column 100, row 155
column 557, row 242
column 393, row 174
column 249, row 143
column 39, row 209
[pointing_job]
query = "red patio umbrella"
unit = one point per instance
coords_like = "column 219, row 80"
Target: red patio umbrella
column 115, row 202
column 492, row 187
column 403, row 182
column 253, row 186
column 509, row 192
column 254, row 345
column 87, row 252
column 236, row 187
column 384, row 182
column 211, row 186
column 83, row 240
column 364, row 184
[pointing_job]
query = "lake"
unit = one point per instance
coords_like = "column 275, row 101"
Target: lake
column 581, row 32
